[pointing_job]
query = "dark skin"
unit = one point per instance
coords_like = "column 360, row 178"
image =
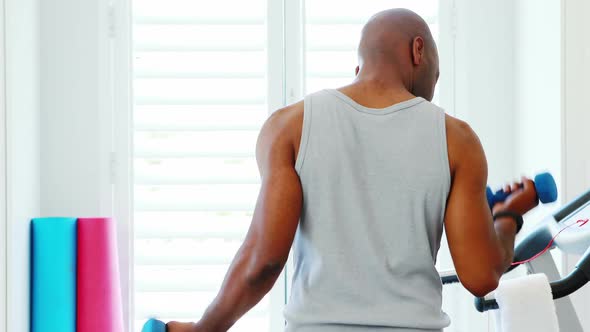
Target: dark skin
column 398, row 61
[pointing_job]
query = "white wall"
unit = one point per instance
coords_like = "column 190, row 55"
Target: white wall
column 82, row 110
column 3, row 213
column 22, row 139
column 576, row 120
column 484, row 80
column 70, row 135
column 576, row 104
column 537, row 93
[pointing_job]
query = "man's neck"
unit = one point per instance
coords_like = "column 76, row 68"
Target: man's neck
column 376, row 93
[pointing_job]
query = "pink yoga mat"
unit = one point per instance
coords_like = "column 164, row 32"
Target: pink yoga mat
column 99, row 305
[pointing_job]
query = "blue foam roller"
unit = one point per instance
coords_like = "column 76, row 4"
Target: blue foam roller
column 153, row 325
column 53, row 275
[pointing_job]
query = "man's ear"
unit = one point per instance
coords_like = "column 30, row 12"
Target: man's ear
column 356, row 71
column 417, row 50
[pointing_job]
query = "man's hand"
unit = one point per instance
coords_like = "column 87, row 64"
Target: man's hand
column 182, row 327
column 522, row 198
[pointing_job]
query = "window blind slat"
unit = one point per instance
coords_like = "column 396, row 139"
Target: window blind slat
column 204, row 37
column 226, row 225
column 195, row 128
column 185, row 251
column 316, row 84
column 174, row 260
column 330, row 62
column 183, row 89
column 197, row 232
column 199, row 117
column 230, row 10
column 211, row 63
column 196, row 75
column 186, row 278
column 196, row 20
column 196, row 171
column 154, row 47
column 215, row 143
column 326, row 36
column 193, row 154
column 331, row 75
column 220, row 226
column 195, row 101
column 223, row 197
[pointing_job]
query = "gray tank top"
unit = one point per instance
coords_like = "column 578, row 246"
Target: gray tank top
column 375, row 185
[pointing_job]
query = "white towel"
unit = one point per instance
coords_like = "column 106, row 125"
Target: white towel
column 526, row 304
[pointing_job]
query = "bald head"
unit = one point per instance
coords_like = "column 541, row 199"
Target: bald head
column 398, row 44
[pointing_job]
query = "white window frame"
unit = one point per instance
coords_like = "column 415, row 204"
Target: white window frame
column 21, row 176
column 447, row 24
column 117, row 192
column 276, row 99
column 286, row 64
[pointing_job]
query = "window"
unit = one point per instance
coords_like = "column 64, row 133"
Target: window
column 200, row 99
column 206, row 76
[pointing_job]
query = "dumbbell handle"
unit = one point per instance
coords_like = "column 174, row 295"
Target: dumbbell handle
column 544, row 186
column 501, row 195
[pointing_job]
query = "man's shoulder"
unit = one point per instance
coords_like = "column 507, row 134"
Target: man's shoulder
column 281, row 132
column 463, row 144
column 459, row 131
column 287, row 119
column 287, row 113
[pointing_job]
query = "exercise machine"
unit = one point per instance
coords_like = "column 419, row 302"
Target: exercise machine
column 566, row 230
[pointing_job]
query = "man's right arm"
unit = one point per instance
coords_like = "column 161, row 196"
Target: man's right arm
column 482, row 249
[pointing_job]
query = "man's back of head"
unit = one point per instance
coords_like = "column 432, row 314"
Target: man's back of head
column 397, row 51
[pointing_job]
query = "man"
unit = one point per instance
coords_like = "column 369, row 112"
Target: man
column 362, row 179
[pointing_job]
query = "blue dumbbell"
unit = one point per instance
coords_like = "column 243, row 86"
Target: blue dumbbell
column 544, row 185
column 153, row 325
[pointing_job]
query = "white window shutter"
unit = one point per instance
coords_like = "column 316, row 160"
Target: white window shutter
column 200, row 78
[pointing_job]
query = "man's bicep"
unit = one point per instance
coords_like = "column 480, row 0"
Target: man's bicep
column 467, row 196
column 278, row 207
column 277, row 212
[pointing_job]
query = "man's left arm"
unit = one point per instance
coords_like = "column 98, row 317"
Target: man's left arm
column 265, row 250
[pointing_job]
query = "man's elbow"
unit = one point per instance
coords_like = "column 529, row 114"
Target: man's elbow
column 482, row 285
column 264, row 273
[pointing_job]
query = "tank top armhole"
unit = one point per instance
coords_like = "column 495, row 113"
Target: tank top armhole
column 444, row 149
column 306, row 128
